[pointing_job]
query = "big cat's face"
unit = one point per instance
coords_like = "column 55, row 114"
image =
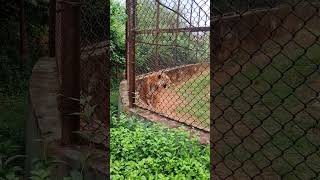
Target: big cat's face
column 164, row 81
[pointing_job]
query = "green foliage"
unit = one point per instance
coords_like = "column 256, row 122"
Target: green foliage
column 74, row 175
column 40, row 174
column 14, row 75
column 114, row 98
column 13, row 111
column 174, row 49
column 42, row 167
column 8, row 168
column 143, row 150
column 118, row 20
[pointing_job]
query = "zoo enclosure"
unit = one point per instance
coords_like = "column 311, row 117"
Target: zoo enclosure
column 168, row 59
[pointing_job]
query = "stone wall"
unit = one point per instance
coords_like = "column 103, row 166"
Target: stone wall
column 44, row 124
column 176, row 74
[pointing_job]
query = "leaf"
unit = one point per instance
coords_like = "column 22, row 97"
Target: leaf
column 76, row 175
column 40, row 174
column 13, row 158
column 75, row 114
column 11, row 176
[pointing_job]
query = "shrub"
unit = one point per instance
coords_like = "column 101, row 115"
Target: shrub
column 144, row 150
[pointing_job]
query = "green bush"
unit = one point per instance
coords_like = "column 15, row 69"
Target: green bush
column 144, row 150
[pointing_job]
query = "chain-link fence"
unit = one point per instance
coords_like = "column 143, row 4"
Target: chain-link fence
column 94, row 69
column 169, row 44
column 265, row 82
column 83, row 67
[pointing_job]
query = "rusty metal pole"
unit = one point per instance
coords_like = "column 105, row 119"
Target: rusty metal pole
column 211, row 40
column 190, row 33
column 131, row 52
column 157, row 36
column 215, row 48
column 126, row 51
column 198, row 36
column 126, row 40
column 70, row 70
column 52, row 27
column 107, row 85
column 176, row 34
column 23, row 33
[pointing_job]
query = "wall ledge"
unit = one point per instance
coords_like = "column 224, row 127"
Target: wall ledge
column 44, row 124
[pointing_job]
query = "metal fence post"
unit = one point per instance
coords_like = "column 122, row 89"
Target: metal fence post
column 131, row 52
column 52, row 27
column 70, row 70
column 126, row 41
column 23, row 33
column 215, row 49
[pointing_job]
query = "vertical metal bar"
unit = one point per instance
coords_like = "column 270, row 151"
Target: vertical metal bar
column 70, row 70
column 126, row 39
column 215, row 46
column 190, row 33
column 176, row 34
column 108, row 85
column 52, row 27
column 23, row 43
column 157, row 65
column 198, row 35
column 126, row 50
column 211, row 40
column 131, row 52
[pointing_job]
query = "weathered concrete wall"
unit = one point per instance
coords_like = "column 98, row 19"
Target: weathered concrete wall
column 176, row 74
column 44, row 123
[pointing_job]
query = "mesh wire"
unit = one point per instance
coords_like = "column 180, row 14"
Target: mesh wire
column 172, row 40
column 265, row 95
column 94, row 70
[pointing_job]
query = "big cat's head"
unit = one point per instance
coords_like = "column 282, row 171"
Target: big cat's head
column 163, row 80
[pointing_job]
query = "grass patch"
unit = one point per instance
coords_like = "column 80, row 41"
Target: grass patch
column 13, row 116
column 144, row 150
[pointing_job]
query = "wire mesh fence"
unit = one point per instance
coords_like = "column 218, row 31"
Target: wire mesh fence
column 94, row 69
column 82, row 60
column 265, row 90
column 171, row 56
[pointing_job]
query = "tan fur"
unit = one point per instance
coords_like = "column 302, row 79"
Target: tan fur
column 153, row 84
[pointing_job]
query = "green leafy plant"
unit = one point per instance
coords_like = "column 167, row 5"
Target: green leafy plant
column 8, row 170
column 144, row 150
column 41, row 167
column 74, row 175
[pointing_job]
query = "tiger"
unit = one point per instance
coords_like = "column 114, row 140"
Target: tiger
column 152, row 85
